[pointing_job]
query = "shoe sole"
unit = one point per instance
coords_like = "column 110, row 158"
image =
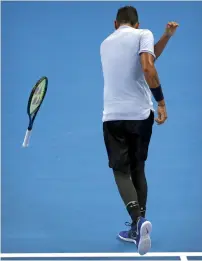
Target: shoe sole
column 145, row 240
column 127, row 239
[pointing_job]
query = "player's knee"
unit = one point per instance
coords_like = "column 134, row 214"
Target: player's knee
column 122, row 174
column 138, row 168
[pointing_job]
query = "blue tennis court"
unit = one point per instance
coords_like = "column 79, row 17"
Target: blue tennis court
column 58, row 195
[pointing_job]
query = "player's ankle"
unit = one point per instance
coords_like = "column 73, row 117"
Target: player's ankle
column 143, row 211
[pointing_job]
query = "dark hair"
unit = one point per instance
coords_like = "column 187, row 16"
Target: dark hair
column 127, row 15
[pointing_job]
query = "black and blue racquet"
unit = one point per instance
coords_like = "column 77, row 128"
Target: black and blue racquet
column 35, row 100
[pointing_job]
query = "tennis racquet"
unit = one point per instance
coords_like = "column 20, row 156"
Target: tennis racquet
column 34, row 103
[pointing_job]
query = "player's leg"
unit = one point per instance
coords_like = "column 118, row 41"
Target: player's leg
column 138, row 139
column 117, row 150
column 138, row 152
column 116, row 142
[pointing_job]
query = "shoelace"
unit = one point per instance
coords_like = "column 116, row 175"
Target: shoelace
column 128, row 224
column 132, row 232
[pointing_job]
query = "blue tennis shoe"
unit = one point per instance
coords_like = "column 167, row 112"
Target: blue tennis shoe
column 139, row 234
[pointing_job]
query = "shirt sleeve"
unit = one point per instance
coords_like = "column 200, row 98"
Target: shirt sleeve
column 147, row 42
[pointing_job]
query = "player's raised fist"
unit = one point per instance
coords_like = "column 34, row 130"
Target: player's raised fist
column 171, row 28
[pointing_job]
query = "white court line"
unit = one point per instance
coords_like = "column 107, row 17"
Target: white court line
column 182, row 255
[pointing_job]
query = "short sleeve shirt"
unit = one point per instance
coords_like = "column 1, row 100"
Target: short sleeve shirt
column 126, row 92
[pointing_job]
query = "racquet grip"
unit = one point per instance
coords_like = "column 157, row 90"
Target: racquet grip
column 27, row 138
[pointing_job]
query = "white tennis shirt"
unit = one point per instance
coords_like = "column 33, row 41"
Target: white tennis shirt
column 126, row 93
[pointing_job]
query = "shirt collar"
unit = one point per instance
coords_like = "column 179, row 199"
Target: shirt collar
column 124, row 26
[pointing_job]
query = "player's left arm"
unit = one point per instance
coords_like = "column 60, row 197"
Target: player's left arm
column 171, row 27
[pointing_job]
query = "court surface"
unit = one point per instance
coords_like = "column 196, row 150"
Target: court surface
column 58, row 195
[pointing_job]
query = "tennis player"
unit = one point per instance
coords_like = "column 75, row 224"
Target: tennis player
column 130, row 80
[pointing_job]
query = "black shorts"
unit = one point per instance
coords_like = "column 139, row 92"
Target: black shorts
column 127, row 141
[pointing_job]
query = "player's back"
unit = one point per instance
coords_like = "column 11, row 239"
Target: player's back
column 126, row 94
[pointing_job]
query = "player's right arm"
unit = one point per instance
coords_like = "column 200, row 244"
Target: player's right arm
column 147, row 58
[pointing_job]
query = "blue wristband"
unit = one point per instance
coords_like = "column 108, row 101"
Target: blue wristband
column 157, row 93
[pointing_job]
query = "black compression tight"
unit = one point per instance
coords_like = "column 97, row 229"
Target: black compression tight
column 133, row 187
column 140, row 184
column 128, row 194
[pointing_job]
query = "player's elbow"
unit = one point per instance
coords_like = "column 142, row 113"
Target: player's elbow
column 146, row 68
column 149, row 69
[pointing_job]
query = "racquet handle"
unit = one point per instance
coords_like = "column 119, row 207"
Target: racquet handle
column 27, row 138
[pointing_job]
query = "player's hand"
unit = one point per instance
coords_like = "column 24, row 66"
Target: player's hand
column 162, row 114
column 171, row 28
